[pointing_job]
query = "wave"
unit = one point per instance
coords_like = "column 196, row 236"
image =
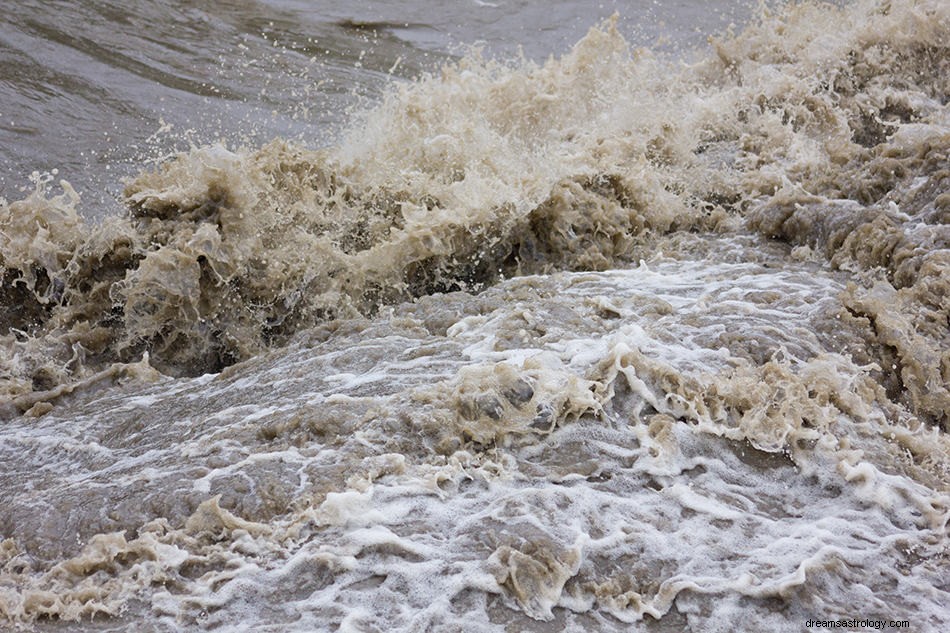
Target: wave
column 835, row 141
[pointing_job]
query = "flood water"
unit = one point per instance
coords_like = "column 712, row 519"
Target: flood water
column 491, row 317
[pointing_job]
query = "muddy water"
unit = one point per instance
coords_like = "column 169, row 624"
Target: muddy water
column 606, row 341
column 97, row 89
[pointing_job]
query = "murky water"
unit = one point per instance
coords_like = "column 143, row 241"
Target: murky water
column 639, row 335
column 94, row 89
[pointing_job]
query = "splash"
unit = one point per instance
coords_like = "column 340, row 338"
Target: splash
column 447, row 389
column 835, row 143
column 560, row 453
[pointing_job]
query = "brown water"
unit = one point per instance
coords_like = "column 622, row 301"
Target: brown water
column 606, row 341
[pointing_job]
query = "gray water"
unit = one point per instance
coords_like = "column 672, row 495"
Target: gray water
column 95, row 89
column 495, row 317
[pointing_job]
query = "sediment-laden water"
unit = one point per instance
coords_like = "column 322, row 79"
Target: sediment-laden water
column 620, row 340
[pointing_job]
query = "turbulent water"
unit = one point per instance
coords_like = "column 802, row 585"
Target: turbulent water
column 620, row 340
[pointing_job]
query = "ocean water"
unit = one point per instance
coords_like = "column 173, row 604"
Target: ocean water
column 498, row 317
